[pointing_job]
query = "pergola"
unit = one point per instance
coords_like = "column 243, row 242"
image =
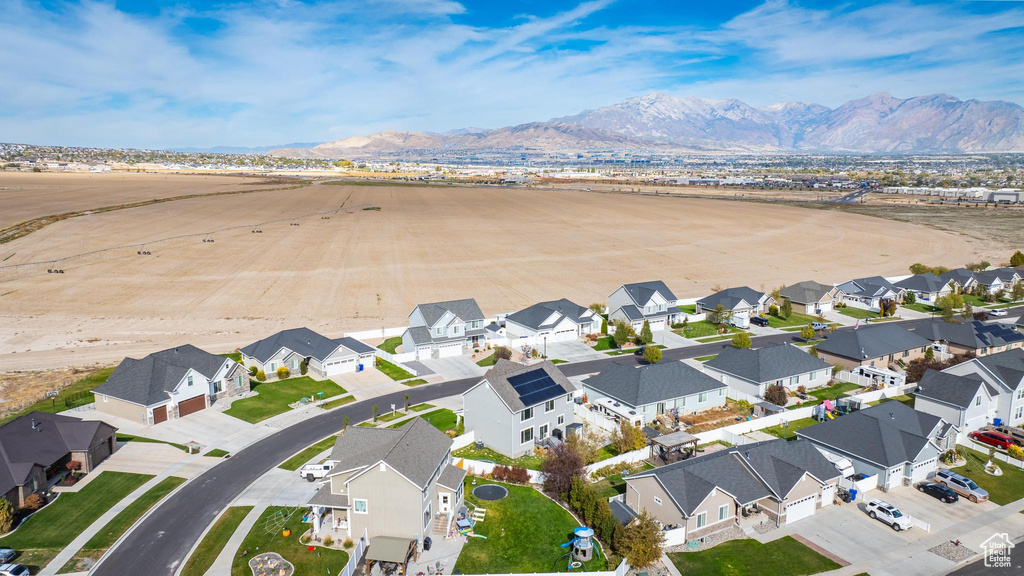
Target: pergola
column 675, row 442
column 390, row 550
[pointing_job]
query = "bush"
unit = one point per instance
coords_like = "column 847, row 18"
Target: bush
column 261, row 375
column 328, row 540
column 33, row 502
column 646, row 337
column 801, row 389
column 502, row 353
column 561, row 469
column 283, row 372
column 773, row 310
column 73, row 465
column 910, row 298
column 807, row 333
column 786, row 309
column 305, row 539
column 303, row 367
column 741, row 340
column 623, row 333
column 518, row 475
column 652, row 354
column 6, row 515
column 776, row 394
column 252, row 371
column 1015, row 451
column 348, row 544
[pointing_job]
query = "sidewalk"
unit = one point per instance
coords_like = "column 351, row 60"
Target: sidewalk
column 222, row 565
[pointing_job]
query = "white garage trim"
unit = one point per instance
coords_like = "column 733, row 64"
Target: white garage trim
column 801, row 508
column 828, row 494
column 447, row 350
column 921, row 470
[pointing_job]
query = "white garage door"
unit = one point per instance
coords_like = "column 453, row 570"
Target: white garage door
column 921, row 470
column 658, row 324
column 800, row 509
column 340, row 366
column 563, row 336
column 828, row 494
column 446, row 350
column 825, row 306
column 423, row 353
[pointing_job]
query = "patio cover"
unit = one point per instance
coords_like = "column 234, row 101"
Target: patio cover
column 675, row 439
column 390, row 549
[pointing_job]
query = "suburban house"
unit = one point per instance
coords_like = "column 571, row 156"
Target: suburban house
column 786, row 481
column 742, row 302
column 169, row 384
column 875, row 345
column 967, row 402
column 891, row 440
column 993, row 281
column 324, row 357
column 653, row 389
column 927, row 287
column 1004, row 372
column 516, row 407
column 975, row 337
column 870, row 292
column 35, row 448
column 961, row 277
column 651, row 301
column 443, row 329
column 748, row 371
column 388, row 482
column 554, row 321
column 812, row 297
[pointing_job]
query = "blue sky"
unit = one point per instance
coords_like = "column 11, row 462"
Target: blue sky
column 180, row 73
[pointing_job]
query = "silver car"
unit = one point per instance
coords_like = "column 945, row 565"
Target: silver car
column 962, row 485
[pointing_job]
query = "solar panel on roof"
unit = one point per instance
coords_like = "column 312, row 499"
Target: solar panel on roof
column 535, row 387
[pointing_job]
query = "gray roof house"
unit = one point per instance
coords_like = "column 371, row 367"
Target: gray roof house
column 997, row 279
column 871, row 291
column 741, row 300
column 963, row 278
column 442, row 329
column 169, row 384
column 651, row 301
column 1004, row 373
column 967, row 402
column 875, row 345
column 975, row 336
column 515, row 407
column 32, row 444
column 927, row 287
column 812, row 297
column 788, row 481
column 388, row 482
column 553, row 321
column 748, row 371
column 899, row 444
column 324, row 356
column 652, row 389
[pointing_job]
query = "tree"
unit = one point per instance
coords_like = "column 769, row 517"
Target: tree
column 303, row 367
column 596, row 308
column 807, row 333
column 776, row 394
column 929, row 353
column 6, row 515
column 967, row 312
column 910, row 298
column 741, row 340
column 787, row 308
column 344, row 423
column 406, row 402
column 652, row 354
column 641, row 541
column 526, row 349
column 502, row 353
column 628, row 437
column 586, row 442
column 891, row 307
column 1017, row 259
column 564, row 465
column 376, row 411
column 646, row 337
column 718, row 315
column 946, row 308
column 773, row 310
column 1017, row 292
column 623, row 333
column 604, row 326
column 977, row 266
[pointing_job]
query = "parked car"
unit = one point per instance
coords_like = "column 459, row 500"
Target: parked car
column 6, row 555
column 819, row 326
column 891, row 515
column 992, row 438
column 759, row 321
column 998, row 312
column 1015, row 434
column 13, row 570
column 313, row 471
column 940, row 491
column 962, row 485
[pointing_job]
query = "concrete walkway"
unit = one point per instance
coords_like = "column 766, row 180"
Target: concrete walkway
column 222, row 565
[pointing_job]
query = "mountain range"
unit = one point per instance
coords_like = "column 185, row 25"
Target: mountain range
column 877, row 124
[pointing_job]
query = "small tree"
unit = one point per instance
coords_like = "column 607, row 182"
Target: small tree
column 564, row 464
column 596, row 308
column 718, row 315
column 946, row 308
column 33, row 502
column 628, row 437
column 6, row 515
column 807, row 333
column 776, row 394
column 526, row 349
column 376, row 411
column 646, row 337
column 344, row 423
column 641, row 541
column 787, row 308
column 1017, row 259
column 283, row 372
column 910, row 298
column 73, row 466
column 502, row 353
column 604, row 326
column 623, row 333
column 741, row 340
column 773, row 310
column 967, row 312
column 406, row 402
column 303, row 367
column 261, row 376
column 1017, row 292
column 929, row 353
column 652, row 354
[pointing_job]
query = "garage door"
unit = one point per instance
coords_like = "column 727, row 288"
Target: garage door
column 191, row 405
column 921, row 470
column 828, row 494
column 446, row 350
column 800, row 509
column 825, row 306
column 658, row 325
column 341, row 366
column 100, row 453
column 564, row 336
column 160, row 414
column 423, row 353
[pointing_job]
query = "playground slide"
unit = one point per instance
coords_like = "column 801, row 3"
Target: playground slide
column 830, row 416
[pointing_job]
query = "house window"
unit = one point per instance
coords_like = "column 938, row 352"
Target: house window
column 273, row 366
column 542, row 432
column 1020, row 394
column 549, row 406
column 295, row 363
column 977, row 401
column 217, row 387
column 1019, row 413
column 561, row 419
column 907, row 352
column 526, row 415
column 426, row 516
column 360, row 506
column 702, row 397
column 239, row 381
column 814, row 375
column 723, row 512
column 793, row 380
column 657, row 501
column 438, row 331
column 660, row 408
column 568, row 398
column 189, row 379
column 105, row 399
column 721, row 392
column 702, row 519
column 526, row 435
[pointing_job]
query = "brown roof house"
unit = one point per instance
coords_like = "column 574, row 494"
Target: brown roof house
column 34, row 449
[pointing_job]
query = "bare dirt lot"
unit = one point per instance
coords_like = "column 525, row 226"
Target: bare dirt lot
column 361, row 269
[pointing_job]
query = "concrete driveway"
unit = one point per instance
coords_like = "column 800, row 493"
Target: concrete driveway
column 938, row 515
column 454, row 367
column 572, row 351
column 211, row 428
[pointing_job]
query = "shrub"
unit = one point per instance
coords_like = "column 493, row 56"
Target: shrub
column 801, row 389
column 641, row 541
column 305, row 539
column 623, row 333
column 786, row 309
column 564, row 467
column 807, row 333
column 773, row 310
column 776, row 394
column 303, row 367
column 33, row 502
column 929, row 353
column 1015, row 451
column 73, row 465
column 252, row 371
column 652, row 354
column 502, row 353
column 517, row 475
column 910, row 298
column 6, row 515
column 261, row 376
column 604, row 326
column 348, row 543
column 741, row 340
column 283, row 372
column 328, row 540
column 646, row 337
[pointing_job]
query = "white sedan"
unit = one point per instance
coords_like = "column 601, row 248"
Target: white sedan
column 997, row 312
column 891, row 515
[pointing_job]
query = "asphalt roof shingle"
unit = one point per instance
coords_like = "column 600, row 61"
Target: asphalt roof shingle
column 872, row 341
column 415, row 450
column 651, row 383
column 766, row 364
column 466, row 309
column 959, row 391
column 498, row 377
column 807, row 292
column 304, row 342
column 534, row 316
column 1008, row 366
column 730, row 297
column 927, row 282
column 641, row 292
column 150, row 380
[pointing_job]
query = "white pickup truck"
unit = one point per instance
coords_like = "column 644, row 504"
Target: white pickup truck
column 313, row 471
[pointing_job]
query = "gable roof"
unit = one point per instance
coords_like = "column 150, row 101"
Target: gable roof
column 730, row 297
column 959, row 391
column 961, row 276
column 304, row 342
column 651, row 383
column 871, row 341
column 534, row 316
column 641, row 292
column 150, row 380
column 1008, row 366
column 889, row 434
column 415, row 450
column 552, row 380
column 927, row 282
column 771, row 362
column 53, row 436
column 870, row 286
column 465, row 309
column 988, row 277
column 974, row 334
column 807, row 292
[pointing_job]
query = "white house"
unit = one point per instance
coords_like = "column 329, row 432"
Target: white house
column 1004, row 374
column 928, row 287
column 443, row 329
column 967, row 402
column 870, row 292
column 812, row 297
column 749, row 372
column 554, row 321
column 743, row 303
column 650, row 301
column 323, row 356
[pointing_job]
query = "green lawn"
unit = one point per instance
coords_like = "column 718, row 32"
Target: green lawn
column 530, row 461
column 274, row 397
column 236, row 356
column 789, row 433
column 143, row 439
column 392, row 371
column 701, row 329
column 795, row 319
column 216, row 453
column 1001, row 489
column 706, row 358
column 50, row 530
column 827, row 393
column 260, row 540
column 524, row 533
column 443, row 419
column 718, row 338
column 858, row 313
column 367, row 424
column 215, row 540
column 631, row 350
column 907, row 399
column 490, row 360
column 782, row 557
column 331, row 404
column 306, row 454
column 614, row 485
column 100, row 542
column 557, row 361
column 389, row 416
column 1001, row 306
column 605, row 452
column 421, row 407
column 414, row 382
column 605, row 343
column 75, row 395
column 921, row 307
column 391, row 344
column 688, row 308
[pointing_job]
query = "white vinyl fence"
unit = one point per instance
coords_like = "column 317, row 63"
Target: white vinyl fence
column 998, row 456
column 355, row 555
column 381, row 333
column 627, row 458
column 463, row 441
column 621, row 570
column 478, row 468
column 398, row 359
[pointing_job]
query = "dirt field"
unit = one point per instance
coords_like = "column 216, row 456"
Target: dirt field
column 508, row 248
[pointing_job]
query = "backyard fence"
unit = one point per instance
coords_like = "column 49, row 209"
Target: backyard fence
column 356, row 555
column 378, row 333
column 620, row 570
column 398, row 359
column 998, row 456
column 463, row 440
column 478, row 468
column 627, row 458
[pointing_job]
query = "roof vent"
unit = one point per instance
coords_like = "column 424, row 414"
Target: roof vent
column 862, row 354
column 892, row 415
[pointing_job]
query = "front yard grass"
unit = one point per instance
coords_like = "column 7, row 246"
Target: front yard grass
column 701, row 329
column 840, row 390
column 720, row 338
column 443, row 419
column 490, row 360
column 782, row 557
column 331, row 404
column 306, row 454
column 524, row 533
column 216, row 453
column 43, row 535
column 795, row 319
column 421, row 407
column 391, row 344
column 73, row 396
column 530, row 461
column 143, row 439
column 414, row 383
column 604, row 343
column 921, row 307
column 858, row 313
column 706, row 358
column 260, row 539
column 273, row 398
column 789, row 432
column 389, row 416
column 209, row 548
column 392, row 371
column 1001, row 489
column 98, row 545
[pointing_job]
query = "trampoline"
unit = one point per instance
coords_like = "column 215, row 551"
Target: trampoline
column 490, row 492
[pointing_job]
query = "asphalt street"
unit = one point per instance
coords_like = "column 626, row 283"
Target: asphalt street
column 160, row 543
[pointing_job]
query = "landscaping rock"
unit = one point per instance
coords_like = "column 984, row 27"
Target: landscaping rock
column 731, row 533
column 950, row 551
column 765, row 527
column 270, row 564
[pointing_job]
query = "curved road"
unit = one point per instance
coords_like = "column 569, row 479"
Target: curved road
column 160, row 543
